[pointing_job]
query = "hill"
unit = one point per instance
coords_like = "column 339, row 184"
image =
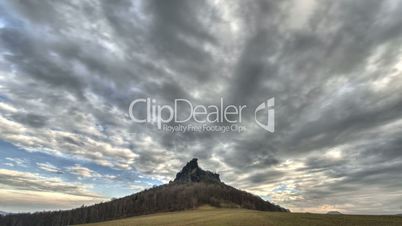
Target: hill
column 334, row 213
column 214, row 216
column 192, row 187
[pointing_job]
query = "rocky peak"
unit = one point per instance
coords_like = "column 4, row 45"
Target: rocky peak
column 191, row 172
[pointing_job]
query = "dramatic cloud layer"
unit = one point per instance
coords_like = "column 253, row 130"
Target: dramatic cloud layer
column 69, row 70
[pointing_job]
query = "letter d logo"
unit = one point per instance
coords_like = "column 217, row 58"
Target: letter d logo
column 269, row 105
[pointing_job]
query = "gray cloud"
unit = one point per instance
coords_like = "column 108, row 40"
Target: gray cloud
column 30, row 119
column 71, row 70
column 34, row 182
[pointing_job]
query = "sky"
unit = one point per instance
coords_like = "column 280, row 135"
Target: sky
column 70, row 69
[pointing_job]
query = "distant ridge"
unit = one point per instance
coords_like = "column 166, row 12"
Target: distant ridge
column 192, row 187
column 334, row 213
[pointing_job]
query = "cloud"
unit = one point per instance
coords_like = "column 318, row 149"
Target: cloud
column 82, row 171
column 23, row 191
column 25, row 201
column 19, row 180
column 69, row 70
column 17, row 162
column 49, row 167
column 30, row 119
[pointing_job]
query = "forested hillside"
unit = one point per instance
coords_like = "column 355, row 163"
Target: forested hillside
column 178, row 195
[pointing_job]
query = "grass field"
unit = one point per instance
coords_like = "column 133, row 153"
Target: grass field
column 209, row 216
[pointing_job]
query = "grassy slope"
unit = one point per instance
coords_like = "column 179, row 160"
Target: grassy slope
column 208, row 216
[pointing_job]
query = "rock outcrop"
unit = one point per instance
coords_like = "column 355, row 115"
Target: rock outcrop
column 191, row 172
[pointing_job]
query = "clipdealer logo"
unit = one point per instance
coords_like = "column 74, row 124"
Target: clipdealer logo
column 206, row 118
column 269, row 105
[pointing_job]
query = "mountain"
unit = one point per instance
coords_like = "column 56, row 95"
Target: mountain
column 2, row 213
column 192, row 187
